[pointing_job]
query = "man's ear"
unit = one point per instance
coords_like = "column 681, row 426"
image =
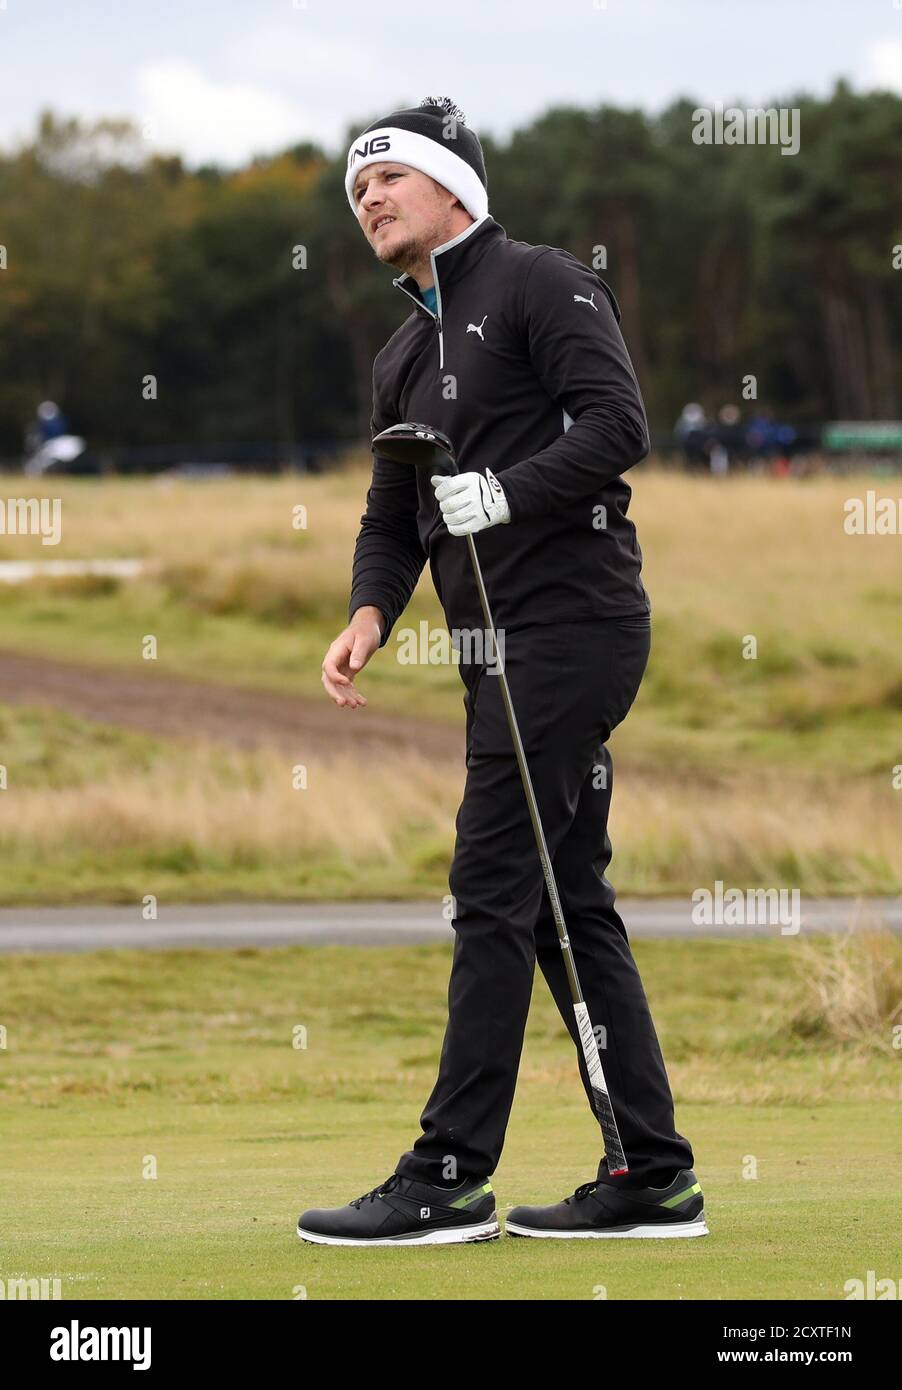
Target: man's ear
column 440, row 188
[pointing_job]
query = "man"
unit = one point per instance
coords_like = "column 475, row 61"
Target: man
column 514, row 352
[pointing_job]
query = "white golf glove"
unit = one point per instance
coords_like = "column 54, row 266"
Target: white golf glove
column 471, row 502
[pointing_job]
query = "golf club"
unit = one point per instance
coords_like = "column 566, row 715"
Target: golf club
column 425, row 447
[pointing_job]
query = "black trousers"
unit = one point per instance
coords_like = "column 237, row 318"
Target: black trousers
column 571, row 685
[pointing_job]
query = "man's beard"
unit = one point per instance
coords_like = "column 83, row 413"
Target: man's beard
column 404, row 253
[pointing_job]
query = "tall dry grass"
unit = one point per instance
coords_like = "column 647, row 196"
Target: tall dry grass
column 852, row 986
column 236, row 807
column 704, row 787
column 720, row 555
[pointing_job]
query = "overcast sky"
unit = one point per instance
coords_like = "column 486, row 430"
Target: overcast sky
column 219, row 80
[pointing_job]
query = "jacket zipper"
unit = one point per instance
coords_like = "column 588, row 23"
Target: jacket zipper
column 421, row 305
column 438, row 317
column 438, row 293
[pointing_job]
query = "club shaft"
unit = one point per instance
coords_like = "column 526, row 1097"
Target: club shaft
column 604, row 1110
column 534, row 816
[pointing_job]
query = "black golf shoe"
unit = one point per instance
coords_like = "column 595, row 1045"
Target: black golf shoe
column 603, row 1210
column 401, row 1211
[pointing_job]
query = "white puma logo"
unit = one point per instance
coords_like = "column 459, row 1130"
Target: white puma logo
column 477, row 328
column 583, row 300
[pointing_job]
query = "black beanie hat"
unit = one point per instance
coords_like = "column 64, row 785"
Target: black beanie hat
column 432, row 137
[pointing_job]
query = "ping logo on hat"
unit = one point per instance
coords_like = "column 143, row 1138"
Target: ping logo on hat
column 378, row 145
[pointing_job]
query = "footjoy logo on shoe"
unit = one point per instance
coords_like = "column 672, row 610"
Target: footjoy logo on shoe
column 76, row 1343
column 425, row 1213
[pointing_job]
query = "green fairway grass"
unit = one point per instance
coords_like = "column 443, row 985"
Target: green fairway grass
column 116, row 1059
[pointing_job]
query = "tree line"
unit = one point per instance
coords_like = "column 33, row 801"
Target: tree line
column 157, row 303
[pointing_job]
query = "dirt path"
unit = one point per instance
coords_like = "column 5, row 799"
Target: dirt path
column 172, row 706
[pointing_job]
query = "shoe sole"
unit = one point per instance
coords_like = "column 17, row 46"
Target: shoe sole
column 451, row 1235
column 656, row 1231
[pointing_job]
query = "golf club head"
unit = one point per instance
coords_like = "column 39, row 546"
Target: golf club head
column 419, row 445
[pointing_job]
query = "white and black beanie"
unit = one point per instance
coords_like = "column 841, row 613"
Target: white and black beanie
column 426, row 139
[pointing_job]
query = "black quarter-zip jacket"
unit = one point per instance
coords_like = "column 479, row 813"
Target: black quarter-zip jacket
column 524, row 367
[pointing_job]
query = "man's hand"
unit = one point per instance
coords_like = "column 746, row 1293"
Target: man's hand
column 349, row 653
column 471, row 502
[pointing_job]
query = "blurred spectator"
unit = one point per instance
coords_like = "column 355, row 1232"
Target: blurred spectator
column 767, row 440
column 728, row 443
column 49, row 423
column 692, row 432
column 760, row 442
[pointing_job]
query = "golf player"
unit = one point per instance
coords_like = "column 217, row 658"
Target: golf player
column 515, row 353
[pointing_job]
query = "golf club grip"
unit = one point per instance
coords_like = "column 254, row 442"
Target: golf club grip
column 604, row 1110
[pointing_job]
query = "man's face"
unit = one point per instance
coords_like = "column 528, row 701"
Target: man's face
column 418, row 206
